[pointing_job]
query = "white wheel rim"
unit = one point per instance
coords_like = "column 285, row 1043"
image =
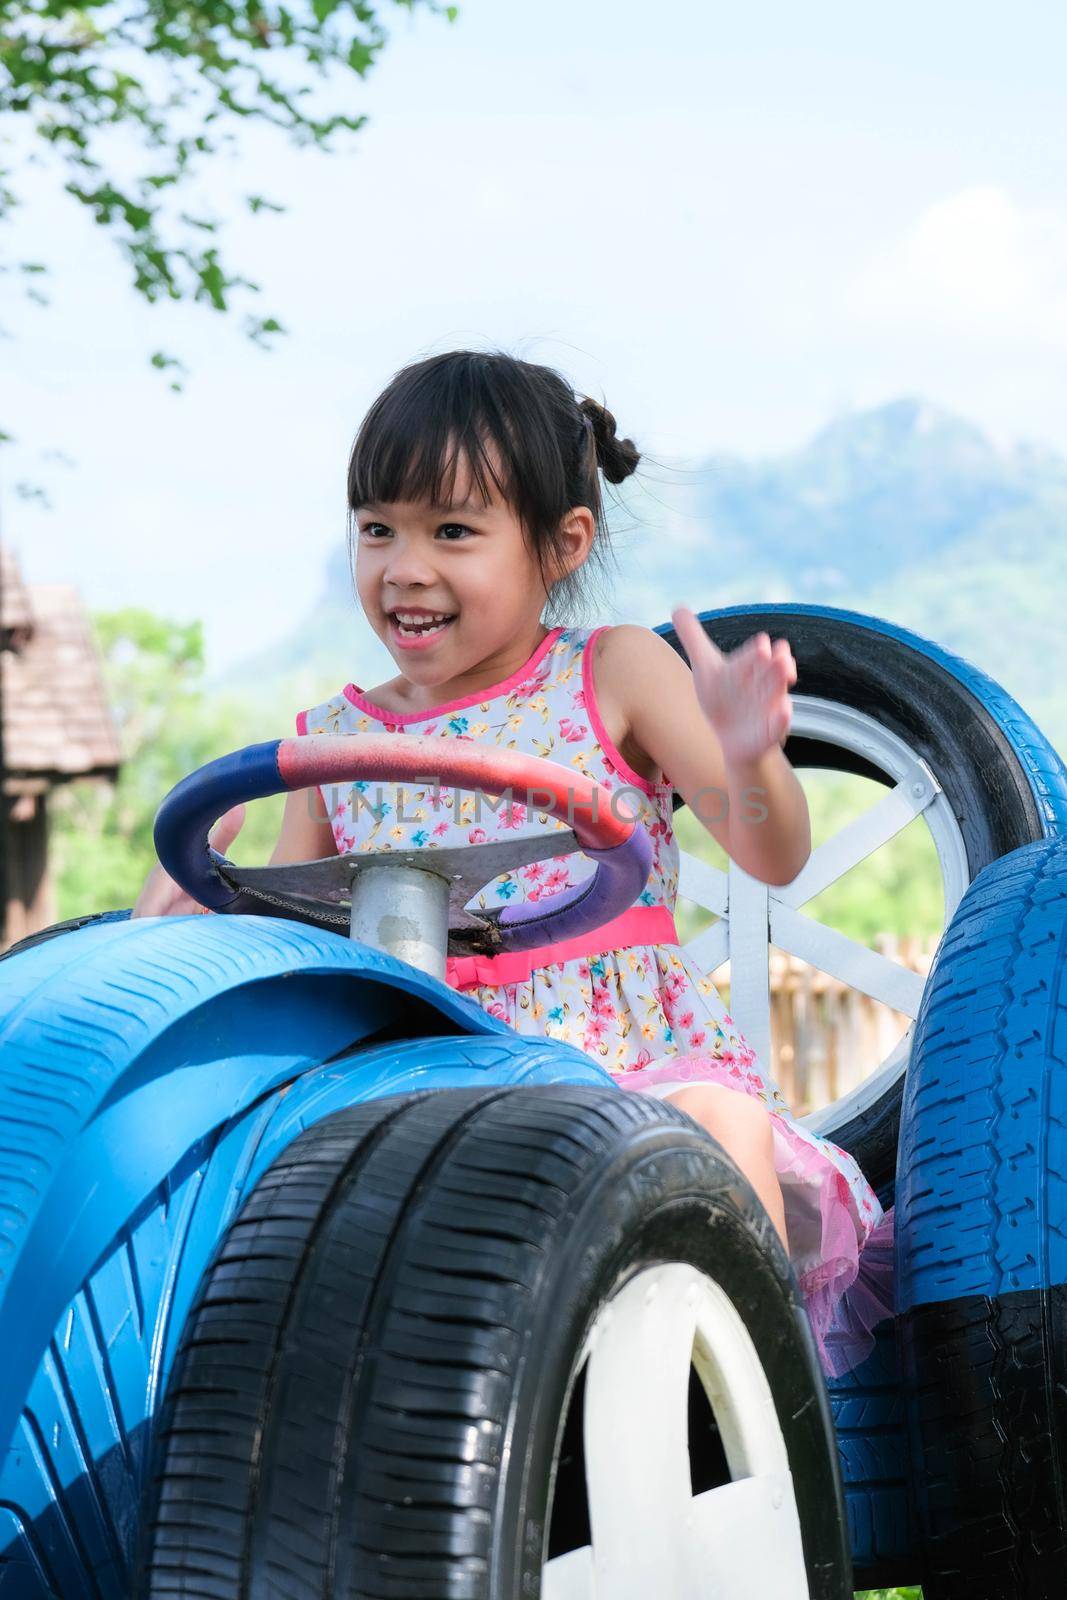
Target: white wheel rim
column 650, row 1534
column 756, row 915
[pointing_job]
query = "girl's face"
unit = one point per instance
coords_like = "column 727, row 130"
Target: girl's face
column 467, row 563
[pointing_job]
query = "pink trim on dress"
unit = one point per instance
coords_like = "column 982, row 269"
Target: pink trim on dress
column 358, row 698
column 618, row 761
column 638, row 925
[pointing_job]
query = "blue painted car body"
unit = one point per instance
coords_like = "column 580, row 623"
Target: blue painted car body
column 149, row 1074
column 151, row 1071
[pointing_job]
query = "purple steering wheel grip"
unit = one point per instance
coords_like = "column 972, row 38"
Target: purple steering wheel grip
column 622, row 872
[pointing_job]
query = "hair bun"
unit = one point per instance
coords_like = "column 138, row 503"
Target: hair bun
column 617, row 458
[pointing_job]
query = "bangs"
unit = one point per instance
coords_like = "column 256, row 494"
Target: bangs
column 449, row 414
column 422, row 463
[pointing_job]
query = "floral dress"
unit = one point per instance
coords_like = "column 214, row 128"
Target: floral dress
column 631, row 998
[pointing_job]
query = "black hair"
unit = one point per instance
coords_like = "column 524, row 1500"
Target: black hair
column 550, row 446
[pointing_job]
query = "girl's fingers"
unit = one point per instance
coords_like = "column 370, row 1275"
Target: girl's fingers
column 781, row 672
column 226, row 829
column 755, row 676
column 695, row 642
column 758, row 651
column 783, row 654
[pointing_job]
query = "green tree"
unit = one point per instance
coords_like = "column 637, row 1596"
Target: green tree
column 101, row 845
column 130, row 98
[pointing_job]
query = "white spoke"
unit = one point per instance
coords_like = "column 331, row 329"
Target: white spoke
column 710, row 948
column 637, row 1440
column 651, row 1535
column 847, row 959
column 699, row 881
column 750, row 979
column 569, row 1577
column 753, row 916
column 859, row 839
column 747, row 1541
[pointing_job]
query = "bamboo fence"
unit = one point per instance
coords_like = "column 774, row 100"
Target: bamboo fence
column 825, row 1036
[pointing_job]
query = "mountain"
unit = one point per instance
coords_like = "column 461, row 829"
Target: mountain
column 904, row 511
column 873, row 494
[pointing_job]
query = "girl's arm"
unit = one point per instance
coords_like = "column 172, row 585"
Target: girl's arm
column 305, row 834
column 751, row 802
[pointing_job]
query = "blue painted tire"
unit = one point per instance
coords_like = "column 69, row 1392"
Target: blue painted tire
column 149, row 1071
column 1006, row 783
column 981, row 1233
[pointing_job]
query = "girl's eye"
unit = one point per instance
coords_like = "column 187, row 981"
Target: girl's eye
column 374, row 530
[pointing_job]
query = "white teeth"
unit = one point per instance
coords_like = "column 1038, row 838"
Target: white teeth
column 410, row 626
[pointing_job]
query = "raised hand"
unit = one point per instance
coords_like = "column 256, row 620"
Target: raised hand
column 744, row 694
column 161, row 896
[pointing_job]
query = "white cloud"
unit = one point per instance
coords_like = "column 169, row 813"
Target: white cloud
column 978, row 265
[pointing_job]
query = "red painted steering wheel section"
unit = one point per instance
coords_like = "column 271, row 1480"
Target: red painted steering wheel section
column 562, row 792
column 604, row 827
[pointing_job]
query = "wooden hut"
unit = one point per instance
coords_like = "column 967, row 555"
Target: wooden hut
column 57, row 726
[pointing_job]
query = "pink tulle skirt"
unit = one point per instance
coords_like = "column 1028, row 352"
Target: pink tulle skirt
column 840, row 1240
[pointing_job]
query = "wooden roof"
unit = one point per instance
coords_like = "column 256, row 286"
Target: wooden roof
column 15, row 619
column 57, row 721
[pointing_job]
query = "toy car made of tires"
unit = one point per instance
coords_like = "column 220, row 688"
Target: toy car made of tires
column 318, row 1280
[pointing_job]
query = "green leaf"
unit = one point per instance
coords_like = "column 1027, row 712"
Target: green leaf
column 81, row 73
column 165, row 363
column 259, row 329
column 360, row 56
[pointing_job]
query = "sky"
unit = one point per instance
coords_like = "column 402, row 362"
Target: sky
column 729, row 223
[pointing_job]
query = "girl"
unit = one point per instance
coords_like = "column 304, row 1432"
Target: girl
column 474, row 491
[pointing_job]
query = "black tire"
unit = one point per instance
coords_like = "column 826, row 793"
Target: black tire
column 981, row 1238
column 370, row 1394
column 43, row 935
column 1006, row 784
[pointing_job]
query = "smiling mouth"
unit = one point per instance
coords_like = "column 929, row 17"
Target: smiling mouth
column 422, row 627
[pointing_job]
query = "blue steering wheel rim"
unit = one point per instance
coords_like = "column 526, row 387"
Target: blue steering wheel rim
column 258, row 771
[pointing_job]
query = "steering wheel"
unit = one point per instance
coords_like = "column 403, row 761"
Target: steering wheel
column 320, row 892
